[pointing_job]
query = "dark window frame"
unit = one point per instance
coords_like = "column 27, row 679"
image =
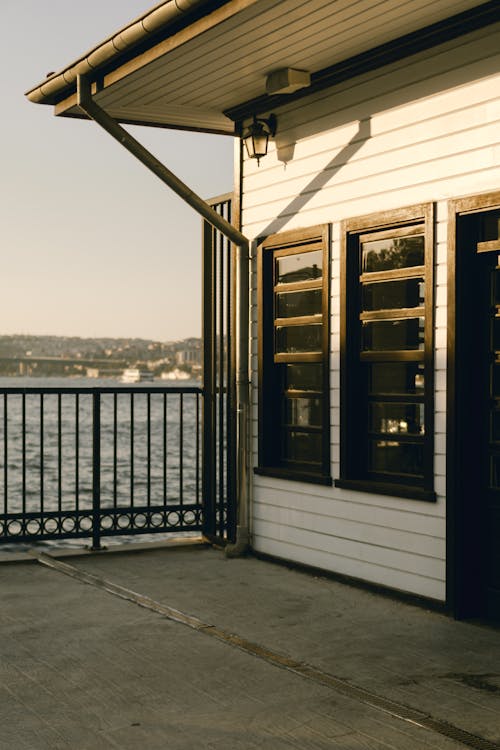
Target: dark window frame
column 271, row 390
column 355, row 398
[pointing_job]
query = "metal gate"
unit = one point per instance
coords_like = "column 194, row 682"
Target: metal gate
column 219, row 426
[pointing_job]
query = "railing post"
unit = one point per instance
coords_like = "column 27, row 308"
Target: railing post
column 96, row 470
column 209, row 428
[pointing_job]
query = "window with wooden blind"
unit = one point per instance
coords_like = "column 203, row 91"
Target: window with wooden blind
column 387, row 354
column 293, row 292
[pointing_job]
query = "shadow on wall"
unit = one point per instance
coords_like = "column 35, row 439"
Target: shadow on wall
column 414, row 79
column 318, row 182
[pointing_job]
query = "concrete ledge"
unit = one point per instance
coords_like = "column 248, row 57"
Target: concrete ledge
column 113, row 549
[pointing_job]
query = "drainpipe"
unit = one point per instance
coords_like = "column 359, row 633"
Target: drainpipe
column 96, row 113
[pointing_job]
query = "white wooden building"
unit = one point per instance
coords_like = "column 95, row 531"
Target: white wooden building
column 373, row 223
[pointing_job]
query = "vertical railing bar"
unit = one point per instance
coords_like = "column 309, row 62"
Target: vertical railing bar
column 181, row 448
column 77, row 454
column 42, row 456
column 228, row 369
column 5, row 454
column 197, row 474
column 115, row 449
column 23, row 419
column 132, row 449
column 96, row 469
column 59, row 451
column 148, row 424
column 209, row 385
column 221, row 376
column 164, row 448
column 215, row 302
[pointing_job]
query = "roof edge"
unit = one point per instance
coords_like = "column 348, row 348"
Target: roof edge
column 134, row 33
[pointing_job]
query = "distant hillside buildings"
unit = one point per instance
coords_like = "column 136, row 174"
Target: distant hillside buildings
column 96, row 357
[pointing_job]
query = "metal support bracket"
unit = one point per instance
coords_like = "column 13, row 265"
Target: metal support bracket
column 108, row 123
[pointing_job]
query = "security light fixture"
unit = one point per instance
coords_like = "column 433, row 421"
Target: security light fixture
column 287, row 81
column 257, row 136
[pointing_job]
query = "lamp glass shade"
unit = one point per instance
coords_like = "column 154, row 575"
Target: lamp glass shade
column 256, row 140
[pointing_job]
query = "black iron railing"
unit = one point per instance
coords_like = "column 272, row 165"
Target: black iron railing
column 94, row 462
column 218, row 367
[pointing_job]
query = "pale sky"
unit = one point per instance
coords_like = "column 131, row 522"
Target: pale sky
column 92, row 243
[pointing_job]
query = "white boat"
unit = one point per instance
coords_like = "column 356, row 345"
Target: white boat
column 175, row 374
column 134, row 375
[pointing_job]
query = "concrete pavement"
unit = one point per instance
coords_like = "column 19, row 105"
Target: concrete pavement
column 274, row 658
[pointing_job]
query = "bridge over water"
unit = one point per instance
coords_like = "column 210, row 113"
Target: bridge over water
column 25, row 365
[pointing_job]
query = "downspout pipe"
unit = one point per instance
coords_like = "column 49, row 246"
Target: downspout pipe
column 96, row 113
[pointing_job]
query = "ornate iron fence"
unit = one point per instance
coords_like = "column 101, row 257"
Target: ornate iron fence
column 94, row 462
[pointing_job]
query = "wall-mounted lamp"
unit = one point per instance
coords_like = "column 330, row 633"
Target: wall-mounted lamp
column 257, row 136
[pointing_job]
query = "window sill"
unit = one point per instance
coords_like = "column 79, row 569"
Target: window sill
column 294, row 476
column 386, row 488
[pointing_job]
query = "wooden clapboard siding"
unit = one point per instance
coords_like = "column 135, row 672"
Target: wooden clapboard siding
column 353, row 559
column 430, row 131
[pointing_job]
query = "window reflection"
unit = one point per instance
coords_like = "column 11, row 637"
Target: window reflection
column 392, row 253
column 393, row 335
column 305, row 412
column 299, row 267
column 395, row 377
column 391, row 295
column 304, row 377
column 297, row 304
column 292, row 339
column 393, row 457
column 303, row 446
column 401, row 418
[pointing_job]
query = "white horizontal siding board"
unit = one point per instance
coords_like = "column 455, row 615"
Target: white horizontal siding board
column 432, row 75
column 327, row 208
column 441, row 316
column 356, row 552
column 368, row 503
column 347, row 165
column 417, row 584
column 440, row 444
column 336, row 506
column 383, row 537
column 444, row 145
column 408, row 166
column 314, row 153
column 440, row 486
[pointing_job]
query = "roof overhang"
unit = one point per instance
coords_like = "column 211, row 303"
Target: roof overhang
column 202, row 64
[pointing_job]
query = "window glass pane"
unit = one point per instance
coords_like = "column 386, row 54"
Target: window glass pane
column 395, row 377
column 299, row 267
column 296, row 304
column 393, row 457
column 490, row 225
column 305, row 412
column 302, row 446
column 396, row 252
column 393, row 335
column 391, row 295
column 291, row 339
column 397, row 418
column 306, row 377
